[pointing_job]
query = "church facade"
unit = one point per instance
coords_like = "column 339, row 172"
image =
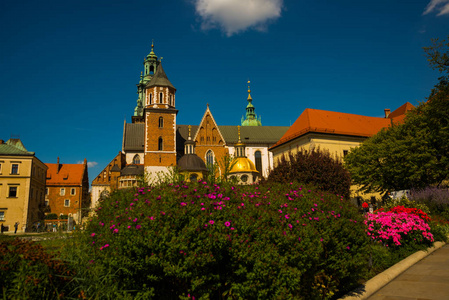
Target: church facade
column 154, row 142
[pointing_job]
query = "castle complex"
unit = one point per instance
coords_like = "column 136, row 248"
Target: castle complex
column 154, row 142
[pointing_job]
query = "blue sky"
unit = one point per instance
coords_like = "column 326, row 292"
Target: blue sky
column 69, row 69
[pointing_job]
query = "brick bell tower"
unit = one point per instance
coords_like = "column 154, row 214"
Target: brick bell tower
column 160, row 123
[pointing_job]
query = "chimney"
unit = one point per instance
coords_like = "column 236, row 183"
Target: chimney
column 387, row 112
column 59, row 167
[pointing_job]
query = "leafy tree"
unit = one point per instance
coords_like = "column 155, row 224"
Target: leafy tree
column 314, row 167
column 413, row 154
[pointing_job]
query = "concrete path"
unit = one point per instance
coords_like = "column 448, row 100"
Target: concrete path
column 428, row 279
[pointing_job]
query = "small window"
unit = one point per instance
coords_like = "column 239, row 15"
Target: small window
column 2, row 216
column 14, row 169
column 345, row 152
column 193, row 177
column 160, row 144
column 67, row 203
column 72, row 191
column 151, row 98
column 12, row 192
column 161, row 122
column 136, row 159
column 151, row 69
column 171, row 100
column 46, row 191
column 258, row 158
column 47, row 202
column 244, row 178
column 62, row 191
column 0, row 168
column 160, row 97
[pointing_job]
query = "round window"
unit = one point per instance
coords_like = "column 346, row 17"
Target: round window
column 244, row 178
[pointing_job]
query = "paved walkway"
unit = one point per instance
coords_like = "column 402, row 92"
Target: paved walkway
column 426, row 280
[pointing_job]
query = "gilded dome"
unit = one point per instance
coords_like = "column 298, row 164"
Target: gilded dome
column 243, row 165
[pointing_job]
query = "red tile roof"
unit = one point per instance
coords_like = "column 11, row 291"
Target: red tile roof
column 401, row 110
column 322, row 121
column 69, row 174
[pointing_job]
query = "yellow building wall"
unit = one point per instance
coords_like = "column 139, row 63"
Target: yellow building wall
column 335, row 144
column 30, row 183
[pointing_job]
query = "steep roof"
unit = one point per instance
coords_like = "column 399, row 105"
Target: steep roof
column 249, row 134
column 322, row 121
column 65, row 174
column 253, row 134
column 134, row 137
column 160, row 78
column 398, row 115
column 14, row 147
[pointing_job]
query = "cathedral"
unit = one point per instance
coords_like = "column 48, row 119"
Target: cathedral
column 154, row 142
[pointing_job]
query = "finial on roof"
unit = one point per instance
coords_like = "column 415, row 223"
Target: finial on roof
column 161, row 59
column 207, row 105
column 238, row 129
column 249, row 92
column 190, row 127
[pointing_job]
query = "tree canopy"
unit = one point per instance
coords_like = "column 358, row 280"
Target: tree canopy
column 413, row 154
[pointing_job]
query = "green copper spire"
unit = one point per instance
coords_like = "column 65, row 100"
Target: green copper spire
column 251, row 117
column 150, row 64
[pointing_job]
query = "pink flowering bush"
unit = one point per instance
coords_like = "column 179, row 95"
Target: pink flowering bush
column 394, row 229
column 196, row 240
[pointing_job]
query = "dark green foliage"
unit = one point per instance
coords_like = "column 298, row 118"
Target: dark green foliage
column 51, row 216
column 225, row 242
column 314, row 167
column 28, row 272
column 414, row 154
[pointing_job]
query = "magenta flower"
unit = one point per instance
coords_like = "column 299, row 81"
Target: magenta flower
column 227, row 223
column 211, row 222
column 138, row 227
column 93, row 234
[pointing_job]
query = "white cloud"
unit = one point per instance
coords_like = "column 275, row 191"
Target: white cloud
column 440, row 6
column 90, row 164
column 233, row 16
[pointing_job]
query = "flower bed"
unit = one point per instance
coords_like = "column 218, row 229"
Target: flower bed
column 397, row 228
column 210, row 241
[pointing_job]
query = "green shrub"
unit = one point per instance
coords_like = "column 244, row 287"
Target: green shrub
column 223, row 242
column 314, row 167
column 404, row 201
column 51, row 216
column 28, row 272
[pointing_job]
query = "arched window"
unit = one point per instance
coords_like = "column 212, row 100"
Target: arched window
column 161, row 122
column 151, row 70
column 151, row 98
column 209, row 158
column 136, row 159
column 159, row 144
column 258, row 157
column 160, row 97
